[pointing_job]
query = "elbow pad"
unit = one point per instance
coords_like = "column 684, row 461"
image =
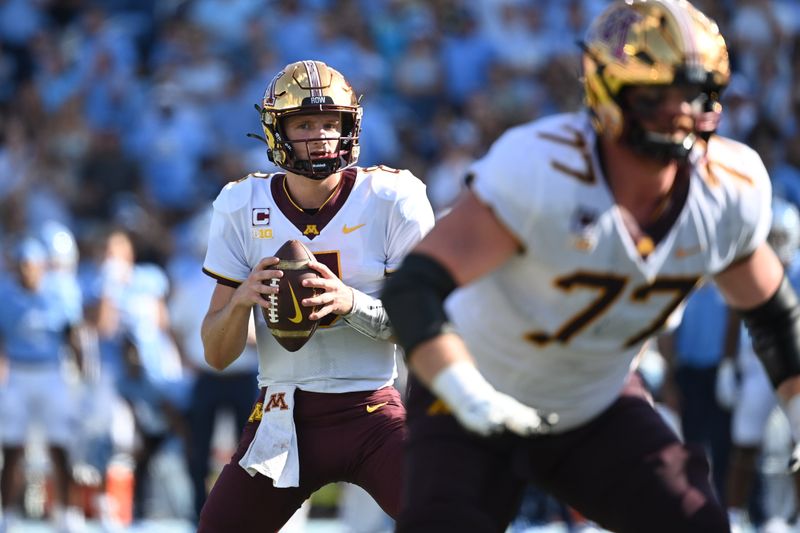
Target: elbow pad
column 368, row 317
column 775, row 329
column 414, row 298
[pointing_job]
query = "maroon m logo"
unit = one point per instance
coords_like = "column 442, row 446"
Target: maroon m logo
column 276, row 401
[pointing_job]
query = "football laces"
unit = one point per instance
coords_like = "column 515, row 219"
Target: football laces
column 272, row 312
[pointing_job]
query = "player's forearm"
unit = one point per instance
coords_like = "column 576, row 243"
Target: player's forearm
column 434, row 355
column 224, row 334
column 445, row 366
column 775, row 329
column 789, row 389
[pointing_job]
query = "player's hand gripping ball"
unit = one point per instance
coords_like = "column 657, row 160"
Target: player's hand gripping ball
column 286, row 318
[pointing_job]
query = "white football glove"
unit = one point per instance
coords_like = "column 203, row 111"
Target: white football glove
column 791, row 409
column 727, row 384
column 480, row 408
column 794, row 460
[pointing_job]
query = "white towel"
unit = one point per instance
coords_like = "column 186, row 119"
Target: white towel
column 273, row 450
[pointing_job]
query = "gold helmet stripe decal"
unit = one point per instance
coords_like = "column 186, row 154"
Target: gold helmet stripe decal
column 684, row 20
column 314, row 82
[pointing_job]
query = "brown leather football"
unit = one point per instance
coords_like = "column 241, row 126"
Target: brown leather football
column 286, row 318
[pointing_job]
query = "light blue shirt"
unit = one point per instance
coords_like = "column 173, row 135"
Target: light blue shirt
column 700, row 337
column 32, row 325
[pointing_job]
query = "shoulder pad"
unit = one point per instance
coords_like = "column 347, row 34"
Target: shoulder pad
column 554, row 144
column 236, row 194
column 377, row 169
column 749, row 169
column 533, row 153
column 734, row 174
column 392, row 184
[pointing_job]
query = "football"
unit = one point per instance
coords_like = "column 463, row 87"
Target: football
column 286, row 318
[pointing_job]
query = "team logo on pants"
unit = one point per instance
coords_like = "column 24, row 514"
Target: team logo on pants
column 276, row 401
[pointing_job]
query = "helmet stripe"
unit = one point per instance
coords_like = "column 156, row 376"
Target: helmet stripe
column 315, row 82
column 684, row 21
column 269, row 95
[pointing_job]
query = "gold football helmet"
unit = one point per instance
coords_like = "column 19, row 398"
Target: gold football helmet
column 651, row 43
column 308, row 87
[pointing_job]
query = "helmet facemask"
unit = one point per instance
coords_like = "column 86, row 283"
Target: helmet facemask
column 649, row 130
column 308, row 87
column 310, row 166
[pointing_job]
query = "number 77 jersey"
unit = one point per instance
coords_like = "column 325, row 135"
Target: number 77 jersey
column 558, row 325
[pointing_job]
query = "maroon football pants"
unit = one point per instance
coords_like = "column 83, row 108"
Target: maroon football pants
column 356, row 437
column 626, row 470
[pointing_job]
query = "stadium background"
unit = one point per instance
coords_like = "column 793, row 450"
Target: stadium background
column 132, row 114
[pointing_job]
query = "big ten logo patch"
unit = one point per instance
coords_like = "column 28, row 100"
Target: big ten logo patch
column 262, row 233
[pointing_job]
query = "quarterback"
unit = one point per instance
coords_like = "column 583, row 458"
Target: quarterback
column 580, row 236
column 327, row 412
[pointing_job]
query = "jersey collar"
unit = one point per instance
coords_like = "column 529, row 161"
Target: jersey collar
column 311, row 224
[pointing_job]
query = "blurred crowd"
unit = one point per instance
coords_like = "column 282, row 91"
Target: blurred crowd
column 120, row 120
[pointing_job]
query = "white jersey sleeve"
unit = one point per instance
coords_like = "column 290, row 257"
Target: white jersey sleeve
column 226, row 254
column 410, row 220
column 506, row 170
column 738, row 171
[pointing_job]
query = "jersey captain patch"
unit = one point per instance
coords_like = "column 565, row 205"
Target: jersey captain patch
column 261, row 216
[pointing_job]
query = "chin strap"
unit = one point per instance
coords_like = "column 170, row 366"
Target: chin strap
column 317, row 169
column 645, row 143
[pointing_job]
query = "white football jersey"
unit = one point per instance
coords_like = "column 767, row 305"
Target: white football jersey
column 361, row 233
column 558, row 325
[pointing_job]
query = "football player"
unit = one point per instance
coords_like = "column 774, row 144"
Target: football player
column 327, row 412
column 36, row 325
column 580, row 236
